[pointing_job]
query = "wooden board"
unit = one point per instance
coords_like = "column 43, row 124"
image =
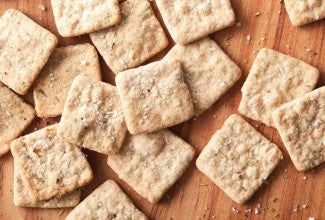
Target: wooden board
column 195, row 196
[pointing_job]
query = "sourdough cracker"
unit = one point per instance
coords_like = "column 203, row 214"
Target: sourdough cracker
column 208, row 71
column 301, row 126
column 25, row 48
column 238, row 159
column 152, row 163
column 154, row 97
column 108, row 201
column 92, row 117
column 76, row 17
column 48, row 166
column 274, row 80
column 137, row 38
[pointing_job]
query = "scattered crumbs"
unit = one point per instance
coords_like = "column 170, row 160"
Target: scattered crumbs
column 42, row 7
column 245, row 61
column 206, row 207
column 256, row 211
column 308, row 49
column 254, row 52
column 257, row 14
column 83, row 62
column 248, row 210
column 214, row 116
column 276, row 215
column 295, row 207
column 304, row 177
column 263, row 38
column 227, row 44
column 234, row 210
column 279, row 11
column 238, row 24
column 194, row 118
column 285, row 170
column 213, row 217
column 248, row 39
column 61, row 212
column 305, row 206
column 311, row 218
column 287, row 46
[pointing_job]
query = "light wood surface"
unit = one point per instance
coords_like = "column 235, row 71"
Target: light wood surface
column 194, row 196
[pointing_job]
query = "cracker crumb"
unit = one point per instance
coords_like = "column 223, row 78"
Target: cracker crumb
column 305, row 206
column 238, row 24
column 304, row 177
column 42, row 7
column 61, row 212
column 257, row 14
column 234, row 210
column 83, row 62
column 248, row 39
column 287, row 46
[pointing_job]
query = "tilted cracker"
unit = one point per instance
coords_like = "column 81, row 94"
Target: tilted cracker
column 238, row 159
column 75, row 17
column 208, row 71
column 108, row 201
column 22, row 197
column 138, row 37
column 305, row 11
column 273, row 80
column 152, row 163
column 25, row 48
column 154, row 97
column 15, row 117
column 92, row 117
column 189, row 20
column 301, row 125
column 48, row 166
column 52, row 85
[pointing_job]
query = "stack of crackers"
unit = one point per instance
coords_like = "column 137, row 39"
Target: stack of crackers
column 129, row 122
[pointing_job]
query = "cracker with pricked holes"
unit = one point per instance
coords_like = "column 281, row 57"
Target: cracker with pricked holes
column 108, row 201
column 52, row 85
column 305, row 11
column 208, row 71
column 274, row 80
column 92, row 116
column 138, row 37
column 189, row 20
column 238, row 159
column 48, row 166
column 301, row 125
column 154, row 96
column 25, row 48
column 75, row 17
column 15, row 117
column 152, row 163
column 22, row 197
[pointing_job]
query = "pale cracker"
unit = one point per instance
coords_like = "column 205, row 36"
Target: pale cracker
column 92, row 117
column 152, row 163
column 189, row 20
column 22, row 197
column 52, row 85
column 48, row 166
column 305, row 11
column 238, row 159
column 15, row 117
column 274, row 79
column 25, row 48
column 138, row 37
column 75, row 17
column 301, row 125
column 208, row 71
column 106, row 202
column 154, row 97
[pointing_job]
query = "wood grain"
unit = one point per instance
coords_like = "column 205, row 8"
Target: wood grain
column 194, row 196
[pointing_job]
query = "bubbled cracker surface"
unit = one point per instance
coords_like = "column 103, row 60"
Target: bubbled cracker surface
column 238, row 159
column 301, row 125
column 92, row 116
column 25, row 48
column 154, row 97
column 75, row 17
column 52, row 85
column 138, row 37
column 106, row 202
column 305, row 11
column 208, row 71
column 152, row 163
column 274, row 80
column 48, row 166
column 15, row 116
column 189, row 20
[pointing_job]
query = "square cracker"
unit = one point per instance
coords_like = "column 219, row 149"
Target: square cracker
column 48, row 166
column 152, row 163
column 138, row 37
column 75, row 17
column 53, row 83
column 301, row 125
column 189, row 20
column 305, row 11
column 238, row 159
column 22, row 196
column 92, row 116
column 15, row 117
column 208, row 71
column 273, row 80
column 25, row 48
column 154, row 97
column 108, row 201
